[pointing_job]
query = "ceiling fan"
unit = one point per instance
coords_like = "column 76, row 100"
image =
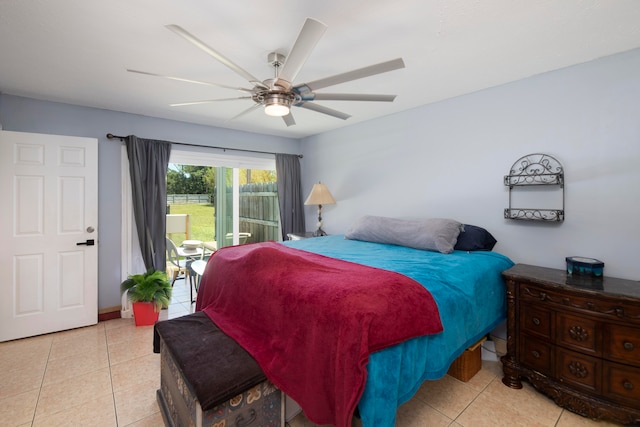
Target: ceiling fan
column 279, row 94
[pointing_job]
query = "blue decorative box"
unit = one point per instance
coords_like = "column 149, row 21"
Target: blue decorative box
column 584, row 266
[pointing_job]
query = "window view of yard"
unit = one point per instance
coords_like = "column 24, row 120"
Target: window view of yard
column 201, row 219
column 203, row 191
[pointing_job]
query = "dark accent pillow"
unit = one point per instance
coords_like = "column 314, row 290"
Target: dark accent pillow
column 474, row 238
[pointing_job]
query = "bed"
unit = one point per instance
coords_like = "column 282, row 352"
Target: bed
column 466, row 287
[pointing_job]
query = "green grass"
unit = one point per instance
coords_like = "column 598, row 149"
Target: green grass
column 202, row 222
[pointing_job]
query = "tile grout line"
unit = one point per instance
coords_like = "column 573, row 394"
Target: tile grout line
column 559, row 417
column 113, row 394
column 455, row 420
column 44, row 373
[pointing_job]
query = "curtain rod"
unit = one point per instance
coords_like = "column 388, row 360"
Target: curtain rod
column 122, row 138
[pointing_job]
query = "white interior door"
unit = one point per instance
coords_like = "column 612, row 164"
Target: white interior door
column 48, row 222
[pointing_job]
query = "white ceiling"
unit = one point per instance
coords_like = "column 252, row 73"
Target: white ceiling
column 77, row 51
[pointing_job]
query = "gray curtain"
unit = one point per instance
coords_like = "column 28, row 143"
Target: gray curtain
column 290, row 194
column 148, row 162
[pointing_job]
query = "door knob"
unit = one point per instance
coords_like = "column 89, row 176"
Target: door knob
column 88, row 242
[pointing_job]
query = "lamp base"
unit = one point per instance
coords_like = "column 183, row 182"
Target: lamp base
column 319, row 232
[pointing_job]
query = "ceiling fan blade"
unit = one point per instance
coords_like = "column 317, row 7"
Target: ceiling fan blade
column 360, row 73
column 323, row 110
column 247, row 111
column 207, row 101
column 312, row 31
column 217, row 55
column 180, row 79
column 350, row 97
column 288, row 119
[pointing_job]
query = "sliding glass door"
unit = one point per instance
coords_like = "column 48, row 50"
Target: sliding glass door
column 226, row 203
column 243, row 196
column 246, row 206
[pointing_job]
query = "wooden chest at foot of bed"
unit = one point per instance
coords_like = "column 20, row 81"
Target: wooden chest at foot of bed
column 208, row 380
column 468, row 363
column 261, row 405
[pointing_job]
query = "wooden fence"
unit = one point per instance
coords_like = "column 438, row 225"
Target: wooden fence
column 259, row 211
column 182, row 199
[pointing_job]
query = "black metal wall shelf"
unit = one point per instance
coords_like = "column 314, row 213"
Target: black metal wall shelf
column 535, row 170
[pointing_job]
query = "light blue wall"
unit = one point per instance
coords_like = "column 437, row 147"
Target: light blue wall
column 448, row 159
column 29, row 115
column 441, row 160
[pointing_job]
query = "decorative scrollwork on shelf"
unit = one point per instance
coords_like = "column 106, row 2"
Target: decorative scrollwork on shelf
column 535, row 214
column 535, row 170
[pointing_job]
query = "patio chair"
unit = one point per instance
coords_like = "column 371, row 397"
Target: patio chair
column 213, row 246
column 175, row 265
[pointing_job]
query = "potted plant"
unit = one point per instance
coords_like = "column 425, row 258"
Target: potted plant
column 148, row 293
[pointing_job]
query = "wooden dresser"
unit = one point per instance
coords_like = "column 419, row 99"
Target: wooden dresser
column 576, row 339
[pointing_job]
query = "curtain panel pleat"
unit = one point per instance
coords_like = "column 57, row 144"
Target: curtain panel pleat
column 148, row 163
column 290, row 194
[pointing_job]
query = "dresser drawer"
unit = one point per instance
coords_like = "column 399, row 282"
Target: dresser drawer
column 536, row 354
column 622, row 344
column 578, row 369
column 536, row 321
column 576, row 339
column 578, row 333
column 622, row 383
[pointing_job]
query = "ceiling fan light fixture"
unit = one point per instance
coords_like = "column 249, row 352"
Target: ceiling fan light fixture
column 276, row 110
column 277, row 105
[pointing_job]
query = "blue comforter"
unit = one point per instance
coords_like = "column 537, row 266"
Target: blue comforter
column 471, row 297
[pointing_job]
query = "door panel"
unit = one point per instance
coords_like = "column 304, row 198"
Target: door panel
column 71, row 268
column 51, row 282
column 28, row 284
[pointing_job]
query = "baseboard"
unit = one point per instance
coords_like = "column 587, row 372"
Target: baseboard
column 109, row 313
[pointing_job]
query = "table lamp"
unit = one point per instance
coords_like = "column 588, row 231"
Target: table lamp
column 320, row 195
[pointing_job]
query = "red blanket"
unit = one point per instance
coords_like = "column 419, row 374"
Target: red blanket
column 311, row 321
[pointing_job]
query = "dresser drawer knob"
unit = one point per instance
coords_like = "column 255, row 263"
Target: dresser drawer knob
column 627, row 385
column 535, row 354
column 628, row 346
column 578, row 333
column 578, row 369
column 536, row 321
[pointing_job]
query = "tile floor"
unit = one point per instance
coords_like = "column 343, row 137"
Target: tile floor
column 107, row 375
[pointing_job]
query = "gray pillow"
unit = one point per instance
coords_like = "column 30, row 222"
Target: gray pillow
column 433, row 234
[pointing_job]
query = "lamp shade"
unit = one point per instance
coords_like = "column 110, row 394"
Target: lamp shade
column 320, row 195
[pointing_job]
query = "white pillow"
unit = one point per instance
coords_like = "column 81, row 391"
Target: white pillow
column 433, row 234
